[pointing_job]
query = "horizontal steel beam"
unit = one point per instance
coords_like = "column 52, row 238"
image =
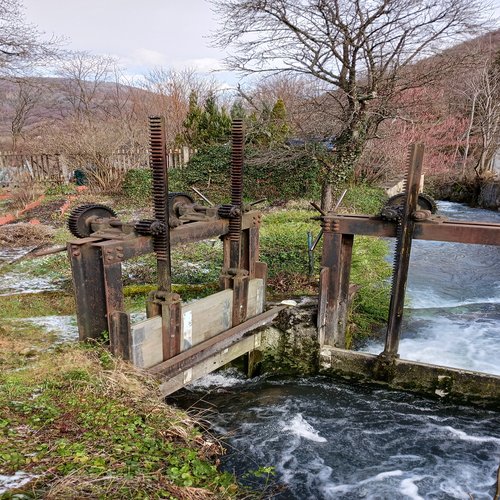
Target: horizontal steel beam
column 115, row 250
column 200, row 352
column 445, row 230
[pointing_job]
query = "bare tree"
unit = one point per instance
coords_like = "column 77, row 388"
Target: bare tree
column 20, row 42
column 84, row 77
column 485, row 90
column 99, row 118
column 362, row 51
column 172, row 90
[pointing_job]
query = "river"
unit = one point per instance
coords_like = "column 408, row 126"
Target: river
column 328, row 439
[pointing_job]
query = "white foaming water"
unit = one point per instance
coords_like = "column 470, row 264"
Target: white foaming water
column 227, row 378
column 453, row 318
column 333, row 441
column 473, row 439
column 431, row 299
column 410, row 489
column 467, row 341
column 300, row 427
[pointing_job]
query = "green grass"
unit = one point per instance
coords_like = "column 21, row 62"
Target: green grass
column 88, row 426
column 284, row 249
column 364, row 199
column 370, row 271
column 36, row 304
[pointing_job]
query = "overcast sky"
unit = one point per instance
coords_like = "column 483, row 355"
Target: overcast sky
column 142, row 34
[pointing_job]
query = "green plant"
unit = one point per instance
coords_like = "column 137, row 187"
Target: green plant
column 60, row 189
column 364, row 199
column 209, row 169
column 84, row 424
column 207, row 125
column 137, row 185
column 370, row 271
column 284, row 241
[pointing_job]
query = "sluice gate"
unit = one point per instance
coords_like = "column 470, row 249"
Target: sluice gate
column 179, row 342
column 406, row 216
column 182, row 342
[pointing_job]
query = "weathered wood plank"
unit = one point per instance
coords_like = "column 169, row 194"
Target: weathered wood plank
column 146, row 346
column 209, row 365
column 256, row 297
column 201, row 320
column 210, row 347
column 206, row 317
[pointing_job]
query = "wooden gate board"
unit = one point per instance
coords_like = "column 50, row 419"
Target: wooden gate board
column 200, row 321
column 211, row 364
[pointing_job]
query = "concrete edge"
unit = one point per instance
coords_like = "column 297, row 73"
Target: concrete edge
column 432, row 380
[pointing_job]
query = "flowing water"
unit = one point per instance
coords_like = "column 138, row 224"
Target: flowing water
column 453, row 314
column 328, row 439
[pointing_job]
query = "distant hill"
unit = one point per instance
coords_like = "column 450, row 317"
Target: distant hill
column 33, row 104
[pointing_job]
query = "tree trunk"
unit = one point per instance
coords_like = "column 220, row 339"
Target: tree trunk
column 326, row 196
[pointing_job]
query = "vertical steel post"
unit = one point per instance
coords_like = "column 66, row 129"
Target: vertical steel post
column 403, row 249
column 88, row 282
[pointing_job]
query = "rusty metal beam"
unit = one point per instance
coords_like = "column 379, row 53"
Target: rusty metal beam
column 120, row 250
column 405, row 230
column 88, row 283
column 204, row 350
column 451, row 231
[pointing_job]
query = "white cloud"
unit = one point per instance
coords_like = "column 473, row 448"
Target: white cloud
column 202, row 65
column 145, row 57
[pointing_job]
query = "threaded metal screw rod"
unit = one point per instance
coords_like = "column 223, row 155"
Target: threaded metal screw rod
column 237, row 142
column 404, row 235
column 158, row 165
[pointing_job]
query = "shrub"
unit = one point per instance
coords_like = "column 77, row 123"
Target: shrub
column 137, row 184
column 278, row 174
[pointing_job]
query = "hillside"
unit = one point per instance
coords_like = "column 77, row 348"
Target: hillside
column 29, row 106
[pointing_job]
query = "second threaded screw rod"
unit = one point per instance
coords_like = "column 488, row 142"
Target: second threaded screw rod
column 237, row 144
column 158, row 165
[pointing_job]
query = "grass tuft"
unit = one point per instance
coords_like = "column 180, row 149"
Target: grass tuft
column 86, row 425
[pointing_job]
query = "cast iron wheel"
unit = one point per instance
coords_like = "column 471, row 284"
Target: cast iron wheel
column 393, row 207
column 175, row 202
column 81, row 217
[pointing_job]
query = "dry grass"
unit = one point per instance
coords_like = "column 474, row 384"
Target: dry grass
column 98, row 428
column 26, row 191
column 24, row 234
column 77, row 485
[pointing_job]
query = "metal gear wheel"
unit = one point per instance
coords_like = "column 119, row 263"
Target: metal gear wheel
column 393, row 207
column 81, row 217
